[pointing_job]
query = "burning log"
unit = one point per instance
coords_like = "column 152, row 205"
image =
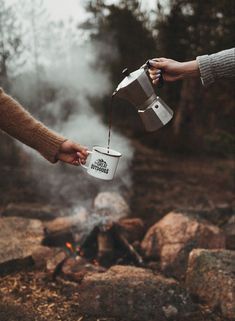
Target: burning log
column 57, row 238
column 104, row 246
column 128, row 248
column 64, row 229
column 58, row 268
column 105, row 254
column 110, row 243
column 132, row 228
column 88, row 247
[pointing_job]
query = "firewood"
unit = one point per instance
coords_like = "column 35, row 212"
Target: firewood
column 120, row 238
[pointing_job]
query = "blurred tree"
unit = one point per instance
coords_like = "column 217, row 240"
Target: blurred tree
column 189, row 29
column 36, row 26
column 123, row 28
column 183, row 29
column 11, row 58
column 11, row 48
column 123, row 40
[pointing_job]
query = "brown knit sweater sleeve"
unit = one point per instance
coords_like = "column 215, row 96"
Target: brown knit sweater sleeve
column 18, row 123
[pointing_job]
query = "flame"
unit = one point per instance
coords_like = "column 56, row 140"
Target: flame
column 69, row 246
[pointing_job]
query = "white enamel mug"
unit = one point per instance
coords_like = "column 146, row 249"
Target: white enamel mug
column 103, row 163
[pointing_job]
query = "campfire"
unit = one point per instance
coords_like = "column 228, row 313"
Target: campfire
column 111, row 265
column 104, row 246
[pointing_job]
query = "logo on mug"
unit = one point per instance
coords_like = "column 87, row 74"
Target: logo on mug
column 100, row 165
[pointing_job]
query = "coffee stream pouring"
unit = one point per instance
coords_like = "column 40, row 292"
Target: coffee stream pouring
column 137, row 88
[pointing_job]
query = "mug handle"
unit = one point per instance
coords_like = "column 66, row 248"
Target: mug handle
column 84, row 166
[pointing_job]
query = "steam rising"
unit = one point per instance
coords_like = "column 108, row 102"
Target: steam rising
column 75, row 78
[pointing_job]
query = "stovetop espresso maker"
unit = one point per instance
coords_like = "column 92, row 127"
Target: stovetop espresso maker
column 137, row 88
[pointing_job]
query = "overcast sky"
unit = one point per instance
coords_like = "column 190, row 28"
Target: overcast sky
column 63, row 9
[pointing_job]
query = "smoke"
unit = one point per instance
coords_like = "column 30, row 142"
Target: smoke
column 76, row 80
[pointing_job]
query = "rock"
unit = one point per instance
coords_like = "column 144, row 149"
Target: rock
column 229, row 230
column 113, row 202
column 214, row 213
column 211, row 277
column 19, row 239
column 67, row 222
column 130, row 293
column 170, row 311
column 53, row 262
column 32, row 210
column 132, row 228
column 42, row 255
column 174, row 236
column 65, row 229
column 75, row 268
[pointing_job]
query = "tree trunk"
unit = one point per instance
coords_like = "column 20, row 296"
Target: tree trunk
column 186, row 125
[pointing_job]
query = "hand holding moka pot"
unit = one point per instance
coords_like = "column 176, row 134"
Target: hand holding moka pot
column 137, row 88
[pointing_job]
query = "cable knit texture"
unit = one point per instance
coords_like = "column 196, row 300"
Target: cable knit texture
column 217, row 66
column 18, row 123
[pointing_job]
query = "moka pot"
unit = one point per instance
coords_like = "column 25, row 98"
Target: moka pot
column 137, row 88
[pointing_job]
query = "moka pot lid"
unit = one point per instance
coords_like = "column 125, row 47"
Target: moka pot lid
column 137, row 75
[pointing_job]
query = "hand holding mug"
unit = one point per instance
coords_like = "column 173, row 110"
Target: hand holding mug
column 72, row 153
column 103, row 162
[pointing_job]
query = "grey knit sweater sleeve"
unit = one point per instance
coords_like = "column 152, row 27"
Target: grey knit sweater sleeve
column 217, row 66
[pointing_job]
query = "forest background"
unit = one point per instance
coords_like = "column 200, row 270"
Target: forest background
column 59, row 69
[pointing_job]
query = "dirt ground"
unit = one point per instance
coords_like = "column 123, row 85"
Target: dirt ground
column 160, row 183
column 32, row 296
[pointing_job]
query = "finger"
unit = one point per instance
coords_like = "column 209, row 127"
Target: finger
column 70, row 158
column 154, row 77
column 78, row 162
column 82, row 155
column 75, row 163
column 84, row 152
column 156, row 81
column 79, row 148
column 160, row 59
column 155, row 71
column 83, row 161
column 79, row 155
column 157, row 64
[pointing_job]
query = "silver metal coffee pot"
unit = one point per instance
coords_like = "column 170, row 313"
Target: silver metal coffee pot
column 137, row 88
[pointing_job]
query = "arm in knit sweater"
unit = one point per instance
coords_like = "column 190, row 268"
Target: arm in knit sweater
column 18, row 123
column 217, row 66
